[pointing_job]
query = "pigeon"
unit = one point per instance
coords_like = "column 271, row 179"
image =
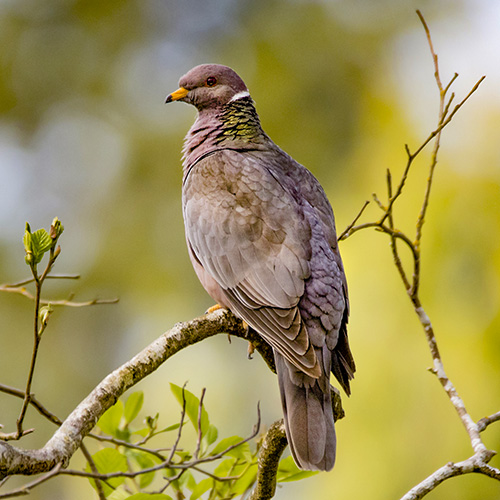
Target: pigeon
column 261, row 236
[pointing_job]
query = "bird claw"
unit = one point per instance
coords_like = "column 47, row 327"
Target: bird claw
column 213, row 308
column 251, row 350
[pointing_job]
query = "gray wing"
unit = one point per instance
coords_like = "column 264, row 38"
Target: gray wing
column 253, row 238
column 325, row 303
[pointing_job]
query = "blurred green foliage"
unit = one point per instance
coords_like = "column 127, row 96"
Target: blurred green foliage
column 341, row 85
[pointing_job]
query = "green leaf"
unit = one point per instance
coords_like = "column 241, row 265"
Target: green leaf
column 41, row 242
column 288, row 471
column 119, row 494
column 133, row 406
column 36, row 244
column 107, row 461
column 146, row 430
column 170, row 428
column 184, row 455
column 192, row 407
column 145, row 461
column 211, row 435
column 242, row 451
column 110, row 460
column 246, row 481
column 226, row 466
column 203, row 486
column 147, row 496
column 302, row 474
column 109, row 423
column 141, row 432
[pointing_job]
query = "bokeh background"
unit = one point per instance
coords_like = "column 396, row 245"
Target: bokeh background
column 341, row 85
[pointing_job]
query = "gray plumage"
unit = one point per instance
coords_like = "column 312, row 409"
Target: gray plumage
column 261, row 236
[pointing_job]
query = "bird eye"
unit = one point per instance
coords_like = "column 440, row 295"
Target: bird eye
column 211, row 81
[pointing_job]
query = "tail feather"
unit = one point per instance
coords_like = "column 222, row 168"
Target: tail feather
column 308, row 415
column 343, row 366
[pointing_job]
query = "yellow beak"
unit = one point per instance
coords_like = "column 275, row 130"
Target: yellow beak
column 178, row 94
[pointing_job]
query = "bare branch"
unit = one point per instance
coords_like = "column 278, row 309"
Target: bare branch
column 450, row 83
column 64, row 302
column 395, row 254
column 33, row 402
column 431, row 46
column 200, row 433
column 119, row 442
column 484, row 422
column 472, row 464
column 68, row 437
column 450, row 117
column 181, row 424
column 25, row 489
column 93, row 468
column 345, row 234
column 482, row 455
column 27, row 281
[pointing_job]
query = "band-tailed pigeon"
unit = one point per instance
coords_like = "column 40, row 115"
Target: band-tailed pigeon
column 261, row 236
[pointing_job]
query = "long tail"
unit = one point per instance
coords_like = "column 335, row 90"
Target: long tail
column 308, row 415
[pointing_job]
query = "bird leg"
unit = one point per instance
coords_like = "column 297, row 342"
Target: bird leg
column 251, row 348
column 213, row 308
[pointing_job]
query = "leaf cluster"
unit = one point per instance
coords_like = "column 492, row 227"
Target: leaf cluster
column 211, row 468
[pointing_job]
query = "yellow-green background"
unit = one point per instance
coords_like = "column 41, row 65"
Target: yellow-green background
column 341, row 85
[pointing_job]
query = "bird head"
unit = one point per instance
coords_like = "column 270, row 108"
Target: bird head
column 209, row 86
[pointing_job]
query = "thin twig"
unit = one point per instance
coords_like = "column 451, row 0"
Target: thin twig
column 171, row 480
column 63, row 302
column 255, row 432
column 431, row 46
column 450, row 100
column 93, row 468
column 183, row 415
column 345, row 233
column 450, row 117
column 396, row 233
column 217, row 478
column 27, row 281
column 14, row 436
column 119, row 442
column 26, row 489
column 482, row 455
column 484, row 422
column 411, row 156
column 450, row 83
column 437, row 143
column 33, row 401
column 167, row 464
column 37, row 334
column 394, row 248
column 200, row 432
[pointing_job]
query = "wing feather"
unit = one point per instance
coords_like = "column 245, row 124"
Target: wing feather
column 255, row 246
